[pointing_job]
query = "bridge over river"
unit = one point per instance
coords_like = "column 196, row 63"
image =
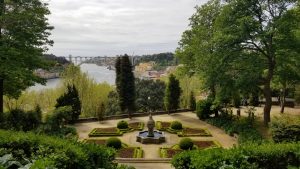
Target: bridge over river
column 99, row 60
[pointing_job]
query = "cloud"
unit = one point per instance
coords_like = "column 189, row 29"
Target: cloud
column 112, row 27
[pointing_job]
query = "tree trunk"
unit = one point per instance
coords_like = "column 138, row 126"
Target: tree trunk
column 268, row 104
column 282, row 100
column 1, row 96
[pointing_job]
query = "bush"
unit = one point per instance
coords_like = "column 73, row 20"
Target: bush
column 186, row 144
column 203, row 109
column 59, row 117
column 264, row 156
column 64, row 154
column 122, row 124
column 246, row 131
column 176, row 125
column 114, row 142
column 286, row 129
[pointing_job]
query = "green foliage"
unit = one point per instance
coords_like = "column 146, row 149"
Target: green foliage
column 122, row 166
column 122, row 124
column 297, row 94
column 246, row 131
column 192, row 103
column 90, row 92
column 70, row 98
column 101, row 112
column 203, row 109
column 172, row 94
column 125, row 84
column 60, row 117
column 114, row 143
column 253, row 156
column 186, row 144
column 52, row 152
column 98, row 132
column 113, row 106
column 176, row 125
column 286, row 129
column 149, row 95
column 24, row 37
column 20, row 120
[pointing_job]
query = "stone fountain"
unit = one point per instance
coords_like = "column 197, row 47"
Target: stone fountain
column 151, row 136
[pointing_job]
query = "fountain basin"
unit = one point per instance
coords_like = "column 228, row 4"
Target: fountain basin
column 159, row 137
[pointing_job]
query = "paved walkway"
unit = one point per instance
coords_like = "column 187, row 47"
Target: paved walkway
column 188, row 119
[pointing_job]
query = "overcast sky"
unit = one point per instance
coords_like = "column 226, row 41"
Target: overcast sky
column 113, row 27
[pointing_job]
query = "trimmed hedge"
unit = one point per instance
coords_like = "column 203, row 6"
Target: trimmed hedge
column 176, row 125
column 252, row 156
column 42, row 150
column 100, row 132
column 186, row 144
column 122, row 124
column 114, row 142
column 286, row 129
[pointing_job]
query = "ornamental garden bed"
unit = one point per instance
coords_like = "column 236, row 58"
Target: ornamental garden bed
column 169, row 152
column 114, row 131
column 130, row 152
column 184, row 132
column 125, row 152
column 102, row 132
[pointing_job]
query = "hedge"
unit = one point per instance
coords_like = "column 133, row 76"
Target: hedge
column 286, row 129
column 42, row 150
column 252, row 156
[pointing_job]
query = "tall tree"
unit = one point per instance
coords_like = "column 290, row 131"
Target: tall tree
column 125, row 85
column 172, row 94
column 24, row 32
column 260, row 28
column 70, row 98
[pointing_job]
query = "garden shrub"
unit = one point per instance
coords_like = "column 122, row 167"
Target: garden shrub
column 114, row 142
column 41, row 149
column 59, row 117
column 252, row 156
column 122, row 124
column 176, row 125
column 203, row 109
column 246, row 131
column 286, row 129
column 186, row 144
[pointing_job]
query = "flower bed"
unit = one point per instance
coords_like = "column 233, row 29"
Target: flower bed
column 130, row 152
column 185, row 132
column 100, row 132
column 190, row 132
column 137, row 125
column 166, row 152
column 162, row 126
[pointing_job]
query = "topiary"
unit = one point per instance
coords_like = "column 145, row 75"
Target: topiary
column 114, row 142
column 176, row 125
column 122, row 124
column 186, row 144
column 203, row 109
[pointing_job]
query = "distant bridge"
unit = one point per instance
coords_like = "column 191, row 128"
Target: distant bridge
column 99, row 60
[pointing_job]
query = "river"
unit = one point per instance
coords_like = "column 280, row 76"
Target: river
column 98, row 73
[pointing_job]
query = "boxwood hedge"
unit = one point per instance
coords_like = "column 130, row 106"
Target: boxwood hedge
column 252, row 156
column 64, row 154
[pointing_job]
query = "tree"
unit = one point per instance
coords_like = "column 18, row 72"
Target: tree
column 125, row 84
column 192, row 105
column 70, row 98
column 149, row 95
column 24, row 32
column 113, row 106
column 261, row 28
column 172, row 94
column 100, row 112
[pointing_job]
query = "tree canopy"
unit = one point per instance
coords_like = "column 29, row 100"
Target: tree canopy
column 24, row 36
column 239, row 46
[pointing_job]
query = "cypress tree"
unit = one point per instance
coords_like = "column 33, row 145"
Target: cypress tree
column 125, row 85
column 192, row 105
column 172, row 94
column 70, row 98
